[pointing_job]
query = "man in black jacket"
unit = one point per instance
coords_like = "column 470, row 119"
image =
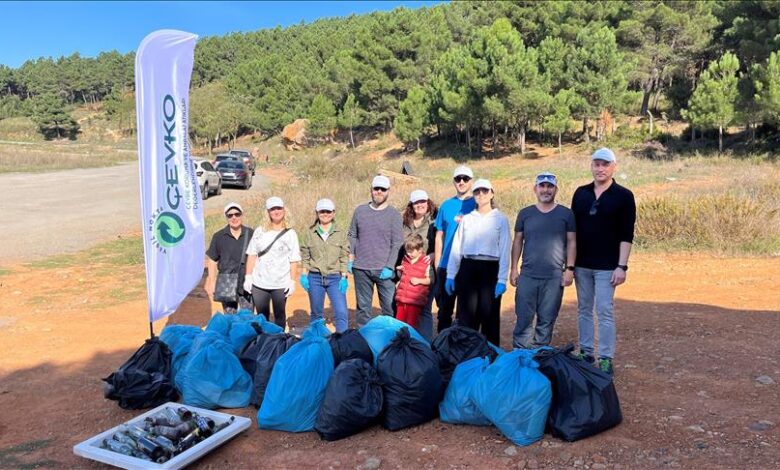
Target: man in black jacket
column 605, row 214
column 226, row 255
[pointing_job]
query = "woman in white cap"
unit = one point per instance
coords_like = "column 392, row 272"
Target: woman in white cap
column 325, row 255
column 478, row 266
column 272, row 262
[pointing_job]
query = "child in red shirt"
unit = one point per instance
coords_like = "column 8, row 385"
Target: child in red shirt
column 411, row 293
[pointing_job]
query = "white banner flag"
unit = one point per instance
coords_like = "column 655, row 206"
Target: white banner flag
column 171, row 204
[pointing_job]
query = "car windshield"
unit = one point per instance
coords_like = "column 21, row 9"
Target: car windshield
column 226, row 157
column 230, row 166
column 240, row 153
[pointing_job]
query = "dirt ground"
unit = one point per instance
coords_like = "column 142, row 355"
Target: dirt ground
column 694, row 334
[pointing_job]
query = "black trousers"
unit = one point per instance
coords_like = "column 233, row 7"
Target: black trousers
column 478, row 307
column 444, row 301
column 263, row 298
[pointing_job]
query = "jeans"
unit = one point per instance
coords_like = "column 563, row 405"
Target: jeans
column 329, row 284
column 540, row 298
column 444, row 301
column 365, row 280
column 594, row 289
column 425, row 321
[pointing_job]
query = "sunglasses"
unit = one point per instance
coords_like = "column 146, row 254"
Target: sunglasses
column 481, row 191
column 378, row 189
column 324, row 212
column 594, row 208
column 461, row 179
column 233, row 214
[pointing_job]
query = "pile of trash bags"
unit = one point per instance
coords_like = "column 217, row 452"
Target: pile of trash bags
column 384, row 373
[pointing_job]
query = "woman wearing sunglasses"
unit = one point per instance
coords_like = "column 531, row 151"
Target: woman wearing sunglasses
column 225, row 261
column 478, row 265
column 325, row 256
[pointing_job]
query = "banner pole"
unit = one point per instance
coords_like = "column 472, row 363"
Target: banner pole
column 151, row 330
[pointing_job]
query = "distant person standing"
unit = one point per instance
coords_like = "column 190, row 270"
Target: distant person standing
column 448, row 218
column 375, row 236
column 605, row 214
column 479, row 264
column 545, row 237
column 325, row 255
column 225, row 260
column 273, row 257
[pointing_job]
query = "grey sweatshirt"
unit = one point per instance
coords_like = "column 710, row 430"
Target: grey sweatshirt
column 375, row 236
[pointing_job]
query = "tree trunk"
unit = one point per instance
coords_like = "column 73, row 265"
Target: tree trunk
column 655, row 98
column 495, row 142
column 560, row 147
column 693, row 133
column 418, row 144
column 468, row 138
column 521, row 139
column 651, row 122
column 720, row 139
column 351, row 138
column 585, row 134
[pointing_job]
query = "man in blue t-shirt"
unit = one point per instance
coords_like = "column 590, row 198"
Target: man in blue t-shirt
column 447, row 220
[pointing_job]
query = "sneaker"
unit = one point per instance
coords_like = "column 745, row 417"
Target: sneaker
column 605, row 364
column 584, row 357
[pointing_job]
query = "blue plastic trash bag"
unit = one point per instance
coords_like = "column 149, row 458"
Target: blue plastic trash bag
column 379, row 331
column 212, row 376
column 220, row 323
column 458, row 406
column 298, row 381
column 244, row 330
column 515, row 396
column 179, row 339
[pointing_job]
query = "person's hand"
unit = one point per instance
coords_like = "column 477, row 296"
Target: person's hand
column 343, row 285
column 618, row 277
column 248, row 284
column 567, row 279
column 209, row 287
column 400, row 268
column 304, row 280
column 386, row 273
column 449, row 286
column 414, row 281
column 513, row 277
column 290, row 289
column 349, row 267
column 500, row 289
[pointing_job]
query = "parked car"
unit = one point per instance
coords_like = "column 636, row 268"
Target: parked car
column 247, row 157
column 209, row 179
column 225, row 157
column 235, row 173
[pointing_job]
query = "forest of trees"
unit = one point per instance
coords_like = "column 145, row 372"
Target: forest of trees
column 478, row 73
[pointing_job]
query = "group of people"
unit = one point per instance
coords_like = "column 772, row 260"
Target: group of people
column 460, row 254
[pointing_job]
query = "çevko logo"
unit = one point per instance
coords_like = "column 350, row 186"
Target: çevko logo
column 168, row 229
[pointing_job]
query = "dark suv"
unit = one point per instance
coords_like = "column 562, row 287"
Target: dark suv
column 234, row 173
column 246, row 157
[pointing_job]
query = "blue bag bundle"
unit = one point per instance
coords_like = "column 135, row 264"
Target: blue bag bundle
column 245, row 329
column 298, row 382
column 381, row 330
column 458, row 406
column 515, row 396
column 212, row 376
column 179, row 339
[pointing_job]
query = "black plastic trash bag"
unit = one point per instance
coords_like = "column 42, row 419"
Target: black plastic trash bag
column 353, row 400
column 584, row 400
column 258, row 359
column 458, row 344
column 144, row 381
column 411, row 381
column 350, row 345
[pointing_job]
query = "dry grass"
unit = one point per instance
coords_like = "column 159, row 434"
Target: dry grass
column 59, row 155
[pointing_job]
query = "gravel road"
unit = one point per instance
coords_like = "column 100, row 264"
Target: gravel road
column 44, row 214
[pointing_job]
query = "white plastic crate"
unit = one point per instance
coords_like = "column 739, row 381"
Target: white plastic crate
column 91, row 449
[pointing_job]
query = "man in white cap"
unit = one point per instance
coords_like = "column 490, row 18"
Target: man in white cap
column 375, row 236
column 605, row 213
column 225, row 261
column 545, row 236
column 450, row 214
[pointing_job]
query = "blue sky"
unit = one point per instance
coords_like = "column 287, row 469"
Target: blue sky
column 29, row 30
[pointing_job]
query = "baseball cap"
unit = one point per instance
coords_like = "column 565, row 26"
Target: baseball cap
column 463, row 170
column 604, row 154
column 418, row 195
column 380, row 181
column 482, row 183
column 325, row 205
column 233, row 205
column 274, row 201
column 546, row 177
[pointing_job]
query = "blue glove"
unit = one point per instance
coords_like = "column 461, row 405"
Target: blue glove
column 349, row 267
column 386, row 273
column 500, row 289
column 449, row 286
column 343, row 285
column 305, row 282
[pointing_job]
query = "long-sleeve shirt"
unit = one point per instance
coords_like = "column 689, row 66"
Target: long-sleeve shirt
column 325, row 254
column 375, row 236
column 483, row 237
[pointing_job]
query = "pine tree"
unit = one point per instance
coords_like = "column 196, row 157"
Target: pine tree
column 768, row 88
column 351, row 116
column 50, row 115
column 322, row 117
column 412, row 116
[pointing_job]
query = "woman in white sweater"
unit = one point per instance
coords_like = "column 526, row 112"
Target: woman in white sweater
column 478, row 266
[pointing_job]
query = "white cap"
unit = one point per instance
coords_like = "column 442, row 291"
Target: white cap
column 482, row 183
column 604, row 154
column 418, row 195
column 463, row 170
column 231, row 205
column 380, row 181
column 274, row 201
column 325, row 205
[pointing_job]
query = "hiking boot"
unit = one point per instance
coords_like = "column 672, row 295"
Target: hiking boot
column 605, row 364
column 584, row 357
